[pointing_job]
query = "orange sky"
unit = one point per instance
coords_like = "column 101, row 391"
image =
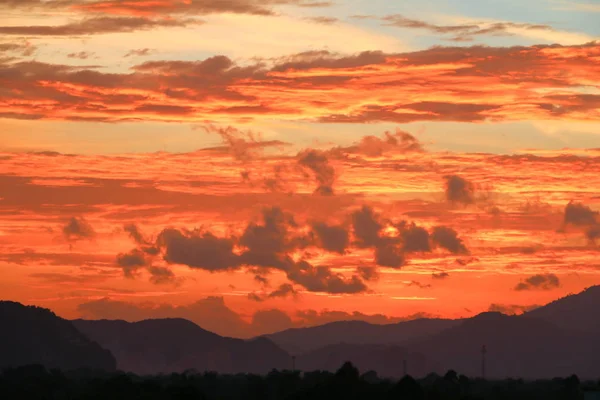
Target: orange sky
column 252, row 186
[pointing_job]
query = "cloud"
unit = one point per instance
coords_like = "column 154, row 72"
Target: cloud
column 322, row 279
column 324, row 173
column 459, row 190
column 201, row 250
column 579, row 215
column 539, row 282
column 98, row 25
column 366, row 226
column 414, row 238
column 139, row 52
column 78, row 228
column 464, row 84
column 463, row 32
column 419, row 285
column 195, row 7
column 511, row 309
column 331, row 237
column 161, row 275
column 373, row 146
column 132, row 262
column 82, row 55
column 368, row 273
column 284, row 290
column 323, row 20
column 440, row 275
column 389, row 254
column 448, row 239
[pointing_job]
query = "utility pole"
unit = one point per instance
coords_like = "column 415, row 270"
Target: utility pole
column 483, row 351
column 293, row 363
column 404, row 367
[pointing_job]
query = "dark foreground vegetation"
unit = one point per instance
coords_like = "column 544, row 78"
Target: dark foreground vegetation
column 36, row 382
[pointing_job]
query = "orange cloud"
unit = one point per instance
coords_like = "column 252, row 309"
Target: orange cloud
column 439, row 84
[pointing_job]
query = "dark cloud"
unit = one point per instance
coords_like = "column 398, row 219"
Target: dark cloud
column 440, row 275
column 511, row 309
column 133, row 261
column 332, row 238
column 373, row 146
column 539, row 282
column 242, row 145
column 324, row 173
column 462, row 32
column 459, row 190
column 78, row 228
column 577, row 214
column 447, row 238
column 414, row 238
column 135, row 234
column 368, row 273
column 96, row 25
column 419, row 285
column 268, row 243
column 284, row 290
column 322, row 279
column 389, row 253
column 161, row 275
column 198, row 250
column 366, row 224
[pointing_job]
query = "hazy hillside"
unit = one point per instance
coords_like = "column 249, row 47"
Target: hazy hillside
column 517, row 346
column 576, row 311
column 301, row 340
column 33, row 335
column 175, row 345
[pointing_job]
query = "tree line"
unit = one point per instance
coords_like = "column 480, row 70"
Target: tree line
column 36, row 382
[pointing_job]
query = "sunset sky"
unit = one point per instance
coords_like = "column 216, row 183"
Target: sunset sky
column 254, row 165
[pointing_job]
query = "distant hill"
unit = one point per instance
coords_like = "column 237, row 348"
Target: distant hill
column 387, row 361
column 301, row 340
column 176, row 345
column 517, row 346
column 576, row 311
column 34, row 335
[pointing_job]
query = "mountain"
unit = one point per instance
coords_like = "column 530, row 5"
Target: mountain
column 34, row 335
column 517, row 346
column 176, row 345
column 301, row 340
column 575, row 311
column 387, row 361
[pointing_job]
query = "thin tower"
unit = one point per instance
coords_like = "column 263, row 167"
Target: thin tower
column 293, row 363
column 404, row 368
column 483, row 351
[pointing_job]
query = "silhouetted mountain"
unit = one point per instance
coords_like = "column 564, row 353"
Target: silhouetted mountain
column 176, row 345
column 573, row 312
column 387, row 361
column 517, row 346
column 301, row 340
column 34, row 335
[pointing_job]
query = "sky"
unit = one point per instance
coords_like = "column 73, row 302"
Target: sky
column 259, row 165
